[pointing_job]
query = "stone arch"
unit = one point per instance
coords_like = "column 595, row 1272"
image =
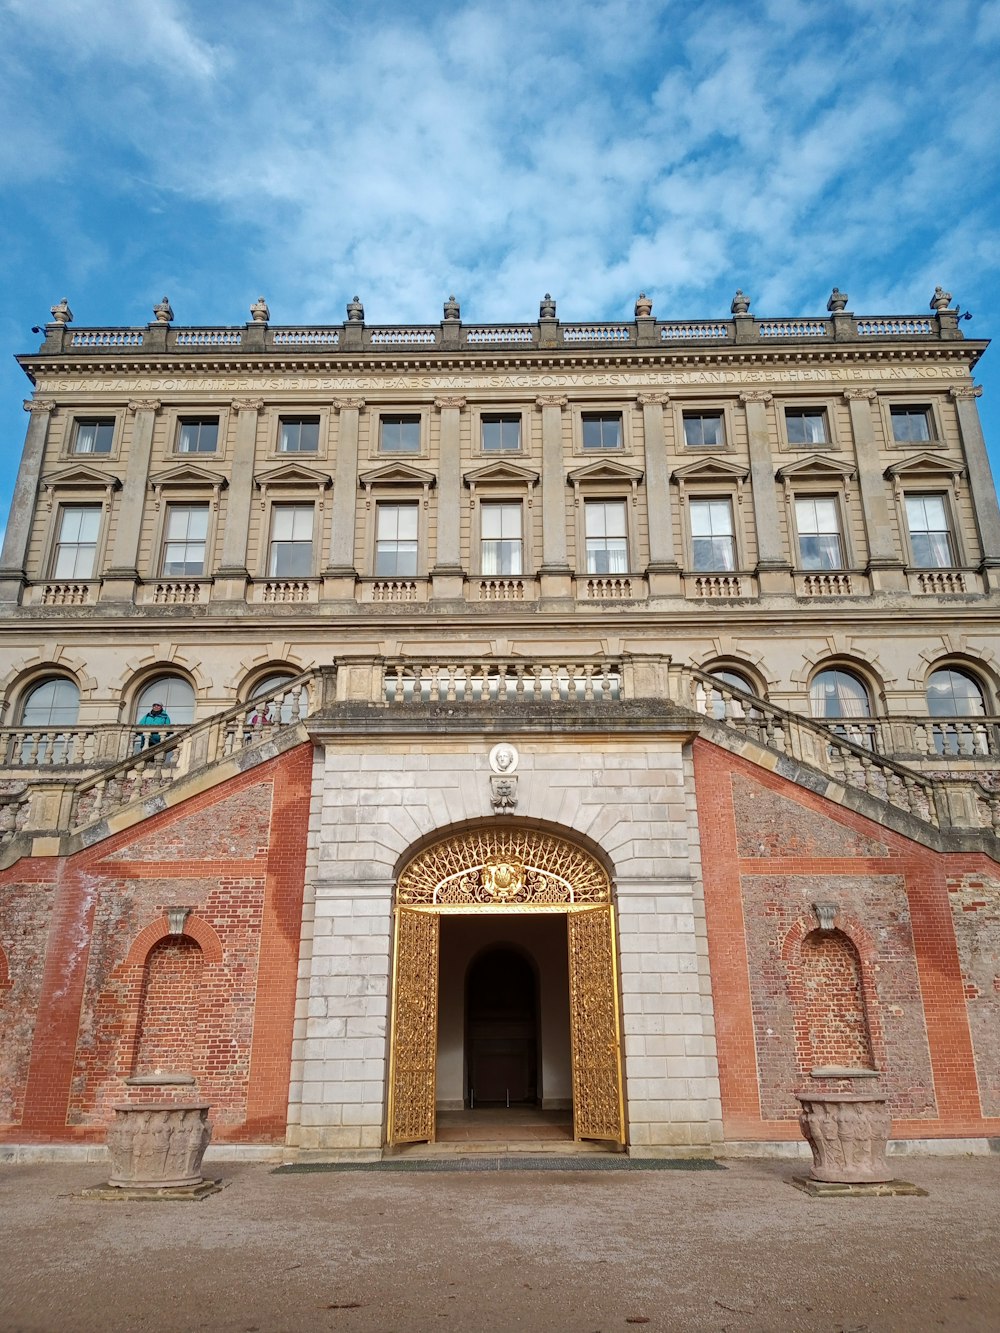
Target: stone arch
column 51, row 660
column 841, row 651
column 200, row 930
column 727, row 649
column 168, row 1030
column 166, row 657
column 832, row 994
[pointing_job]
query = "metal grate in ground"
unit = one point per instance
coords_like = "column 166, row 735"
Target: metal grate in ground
column 512, row 1163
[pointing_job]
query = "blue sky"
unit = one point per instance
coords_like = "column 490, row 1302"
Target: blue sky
column 214, row 151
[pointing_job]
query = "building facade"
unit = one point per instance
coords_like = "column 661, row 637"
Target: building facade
column 593, row 717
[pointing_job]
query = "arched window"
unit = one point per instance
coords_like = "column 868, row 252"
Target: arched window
column 956, row 694
column 288, row 704
column 838, row 693
column 53, row 703
column 723, row 707
column 174, row 693
column 952, row 693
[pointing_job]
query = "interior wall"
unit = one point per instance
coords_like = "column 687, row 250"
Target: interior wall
column 543, row 939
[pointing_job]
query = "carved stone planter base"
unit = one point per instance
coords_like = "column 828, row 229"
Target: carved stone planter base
column 832, row 1189
column 848, row 1133
column 139, row 1194
column 158, row 1146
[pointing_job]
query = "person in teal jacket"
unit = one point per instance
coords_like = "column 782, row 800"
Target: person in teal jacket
column 156, row 717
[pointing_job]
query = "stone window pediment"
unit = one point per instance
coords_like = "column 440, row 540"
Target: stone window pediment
column 396, row 474
column 501, row 474
column 925, row 465
column 81, row 478
column 817, row 468
column 711, row 470
column 605, row 473
column 188, row 476
column 292, row 474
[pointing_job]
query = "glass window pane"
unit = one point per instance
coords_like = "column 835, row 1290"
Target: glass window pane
column 501, row 433
column 54, row 703
column 198, row 437
column 910, row 424
column 953, row 693
column 703, row 428
column 94, row 437
column 930, row 535
column 400, row 435
column 805, row 425
column 602, row 430
column 174, row 693
column 836, row 693
column 299, row 435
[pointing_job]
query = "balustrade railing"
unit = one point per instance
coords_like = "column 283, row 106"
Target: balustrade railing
column 502, row 682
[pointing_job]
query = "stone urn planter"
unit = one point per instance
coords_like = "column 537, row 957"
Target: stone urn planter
column 848, row 1133
column 158, row 1145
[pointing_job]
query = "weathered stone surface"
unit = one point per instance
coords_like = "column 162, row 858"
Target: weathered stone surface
column 847, row 1133
column 158, row 1147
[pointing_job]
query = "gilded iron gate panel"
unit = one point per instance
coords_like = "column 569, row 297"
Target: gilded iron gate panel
column 598, row 1112
column 412, row 1077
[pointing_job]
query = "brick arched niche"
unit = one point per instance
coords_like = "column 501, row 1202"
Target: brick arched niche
column 168, row 1035
column 832, row 1025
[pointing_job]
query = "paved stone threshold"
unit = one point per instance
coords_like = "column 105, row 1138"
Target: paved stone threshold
column 482, row 1162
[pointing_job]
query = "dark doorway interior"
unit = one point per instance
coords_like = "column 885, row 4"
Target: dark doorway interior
column 501, row 1030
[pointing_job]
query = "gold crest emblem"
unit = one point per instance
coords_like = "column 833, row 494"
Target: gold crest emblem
column 503, row 879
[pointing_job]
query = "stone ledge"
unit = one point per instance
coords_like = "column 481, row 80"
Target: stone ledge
column 828, row 1189
column 107, row 1193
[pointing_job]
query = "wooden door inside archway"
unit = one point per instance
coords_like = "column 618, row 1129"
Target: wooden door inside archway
column 496, row 871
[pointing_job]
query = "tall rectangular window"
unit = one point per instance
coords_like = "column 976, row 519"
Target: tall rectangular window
column 817, row 518
column 185, row 535
column 396, row 539
column 806, row 425
column 930, row 532
column 713, row 541
column 399, row 435
column 606, row 536
column 298, row 435
column 75, row 555
column 198, row 436
column 704, row 429
column 94, row 437
column 501, row 538
column 910, row 424
column 501, row 434
column 602, row 430
column 289, row 554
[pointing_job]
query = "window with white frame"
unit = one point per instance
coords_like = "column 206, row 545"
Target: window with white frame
column 952, row 693
column 185, row 535
column 500, row 434
column 606, row 536
column 399, row 435
column 298, row 435
column 198, row 435
column 931, row 544
column 289, row 552
column 704, row 429
column 835, row 693
column 75, row 554
column 713, row 539
column 601, row 430
column 806, row 425
column 53, row 703
column 817, row 519
column 396, row 538
column 94, row 437
column 910, row 425
column 174, row 693
column 501, row 544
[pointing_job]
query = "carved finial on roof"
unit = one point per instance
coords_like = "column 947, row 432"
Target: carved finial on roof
column 837, row 302
column 259, row 311
column 643, row 306
column 355, row 312
column 452, row 309
column 61, row 313
column 164, row 311
column 741, row 303
column 547, row 307
column 941, row 300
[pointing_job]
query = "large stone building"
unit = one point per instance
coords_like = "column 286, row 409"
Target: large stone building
column 597, row 718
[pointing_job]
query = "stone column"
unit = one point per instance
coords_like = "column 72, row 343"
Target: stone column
column 884, row 566
column 122, row 574
column 664, row 570
column 984, row 498
column 25, row 500
column 340, row 576
column 231, row 577
column 447, row 577
column 774, row 572
column 554, row 572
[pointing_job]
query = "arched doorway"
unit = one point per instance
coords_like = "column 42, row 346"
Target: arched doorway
column 504, row 872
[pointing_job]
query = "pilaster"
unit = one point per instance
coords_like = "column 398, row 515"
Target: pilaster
column 884, row 567
column 25, row 500
column 773, row 569
column 340, row 578
column 121, row 574
column 447, row 575
column 555, row 579
column 232, row 576
column 984, row 498
column 664, row 571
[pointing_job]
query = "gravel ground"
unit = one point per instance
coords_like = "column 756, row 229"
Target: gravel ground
column 736, row 1250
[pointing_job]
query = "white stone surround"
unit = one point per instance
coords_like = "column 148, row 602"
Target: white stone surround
column 634, row 800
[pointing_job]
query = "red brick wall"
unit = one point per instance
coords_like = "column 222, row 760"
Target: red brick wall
column 108, row 991
column 831, row 1023
column 770, row 850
